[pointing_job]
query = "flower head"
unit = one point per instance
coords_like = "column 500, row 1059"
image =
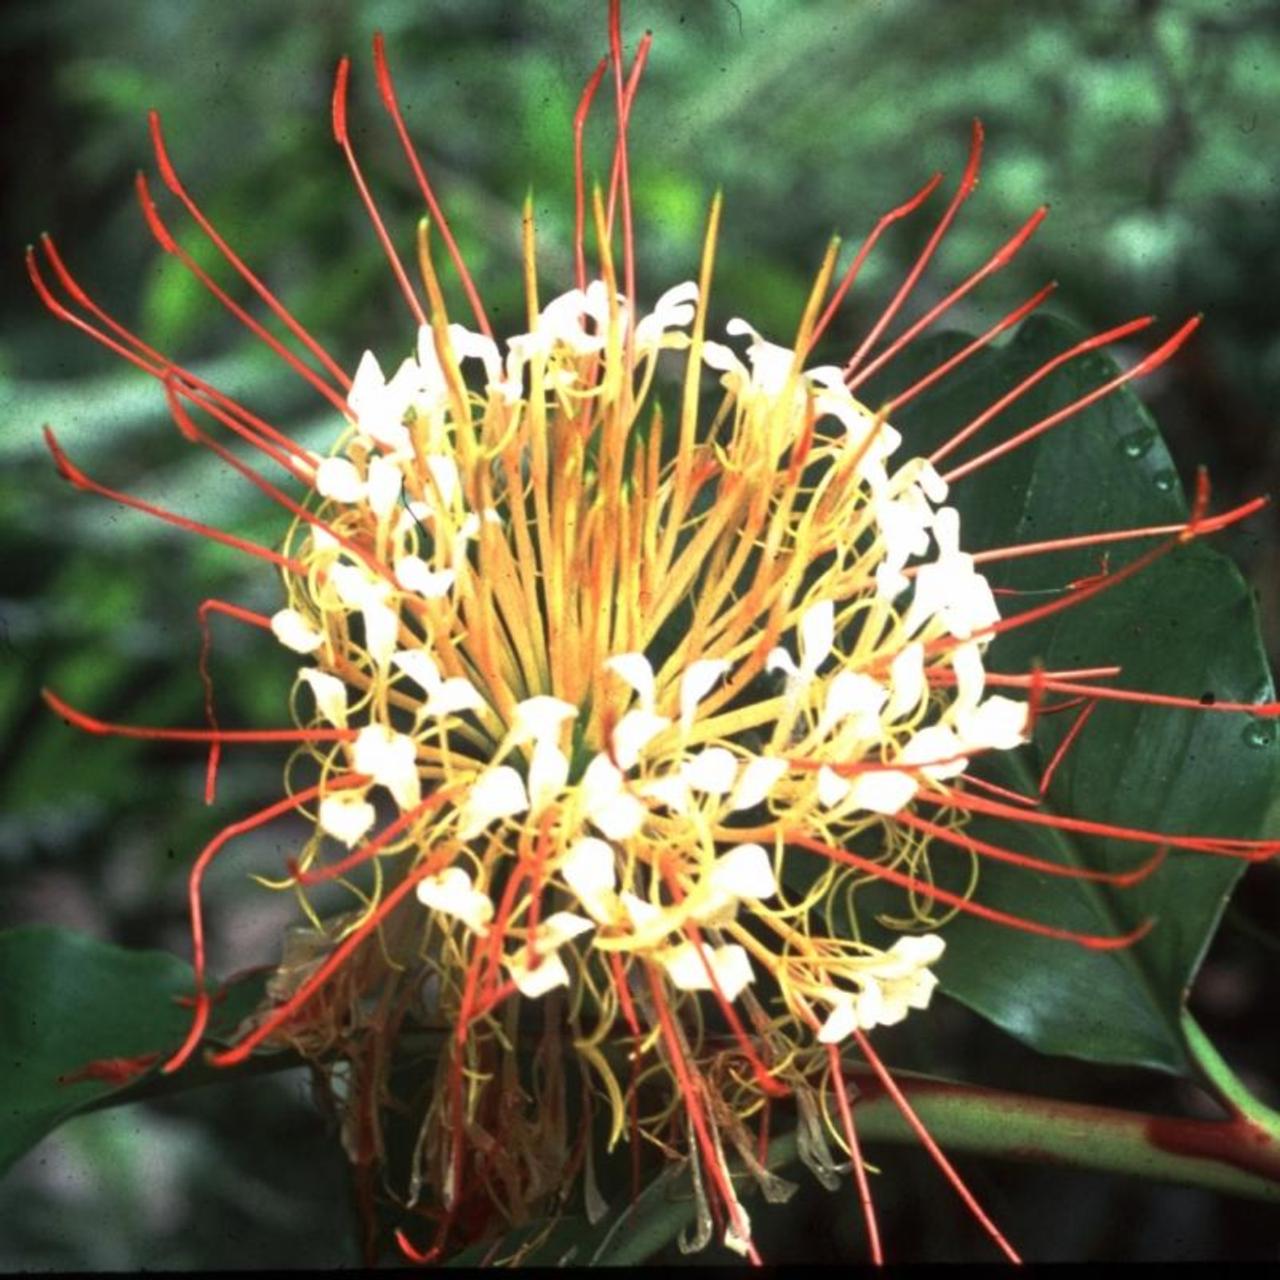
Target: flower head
column 611, row 689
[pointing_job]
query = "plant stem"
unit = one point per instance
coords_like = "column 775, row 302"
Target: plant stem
column 1225, row 1085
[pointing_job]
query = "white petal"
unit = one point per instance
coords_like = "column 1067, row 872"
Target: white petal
column 330, row 695
column 452, row 894
column 840, row 1023
column 882, row 790
column 937, row 750
column 389, row 758
column 757, row 781
column 609, row 807
column 496, row 793
column 548, row 772
column 385, row 482
column 590, row 872
column 907, row 685
column 832, row 787
column 695, row 684
column 559, row 928
column 295, row 632
column 966, row 662
column 669, row 790
column 337, row 478
column 999, row 722
column 712, row 770
column 642, row 914
column 637, row 671
column 729, row 964
column 780, row 660
column 538, row 719
column 549, row 974
column 381, row 631
column 919, row 950
column 817, row 635
column 419, row 666
column 444, row 472
column 745, row 871
column 633, row 732
column 851, row 693
column 346, row 815
column 454, row 695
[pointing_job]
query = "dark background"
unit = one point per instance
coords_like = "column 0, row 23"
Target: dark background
column 1152, row 129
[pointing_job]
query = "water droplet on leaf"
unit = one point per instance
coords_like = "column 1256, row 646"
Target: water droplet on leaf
column 1259, row 733
column 1135, row 444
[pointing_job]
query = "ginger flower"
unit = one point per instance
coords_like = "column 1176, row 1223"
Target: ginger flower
column 626, row 648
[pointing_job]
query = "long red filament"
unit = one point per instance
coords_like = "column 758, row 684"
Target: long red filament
column 79, row 480
column 623, row 109
column 970, row 349
column 1092, row 942
column 206, row 679
column 968, row 181
column 999, row 260
column 194, row 884
column 169, row 176
column 855, row 1155
column 157, row 365
column 103, row 728
column 169, row 244
column 579, row 182
column 341, row 137
column 1144, row 366
column 851, row 274
column 387, row 91
column 926, row 1139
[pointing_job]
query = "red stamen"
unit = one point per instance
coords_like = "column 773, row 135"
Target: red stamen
column 926, row 1139
column 1064, row 746
column 166, row 241
column 846, row 281
column 1092, row 942
column 114, row 1071
column 194, row 883
column 101, row 727
column 623, row 103
column 250, row 428
column 342, row 139
column 968, row 181
column 1134, row 695
column 998, row 260
column 855, row 1153
column 579, row 184
column 386, row 88
column 1248, row 850
column 206, row 641
column 1144, row 366
column 962, row 839
column 73, row 475
column 169, row 177
column 948, row 365
column 421, row 1257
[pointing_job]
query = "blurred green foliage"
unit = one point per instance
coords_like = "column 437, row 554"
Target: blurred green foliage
column 1151, row 127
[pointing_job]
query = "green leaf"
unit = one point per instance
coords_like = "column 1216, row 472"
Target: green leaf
column 1185, row 626
column 67, row 1000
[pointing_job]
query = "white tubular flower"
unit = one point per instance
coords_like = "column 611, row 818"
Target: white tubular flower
column 999, row 723
column 637, row 671
column 547, row 971
column 937, row 750
column 673, row 311
column 907, row 685
column 330, row 695
column 760, row 775
column 729, row 964
column 380, row 406
column 295, row 632
column 633, row 733
column 451, row 893
column 885, row 791
column 712, row 771
column 817, row 638
column 745, row 871
column 853, row 695
column 539, row 719
column 381, row 631
column 347, row 816
column 444, row 697
column 548, row 773
column 414, row 574
column 385, row 483
column 390, row 759
column 337, row 478
column 608, row 805
column 698, row 681
column 497, row 793
column 589, row 869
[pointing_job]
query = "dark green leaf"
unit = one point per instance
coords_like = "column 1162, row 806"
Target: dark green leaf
column 68, row 1001
column 1184, row 626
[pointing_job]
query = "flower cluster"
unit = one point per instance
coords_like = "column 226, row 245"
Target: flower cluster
column 627, row 656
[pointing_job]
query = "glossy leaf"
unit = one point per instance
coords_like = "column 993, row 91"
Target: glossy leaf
column 1184, row 626
column 74, row 1012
